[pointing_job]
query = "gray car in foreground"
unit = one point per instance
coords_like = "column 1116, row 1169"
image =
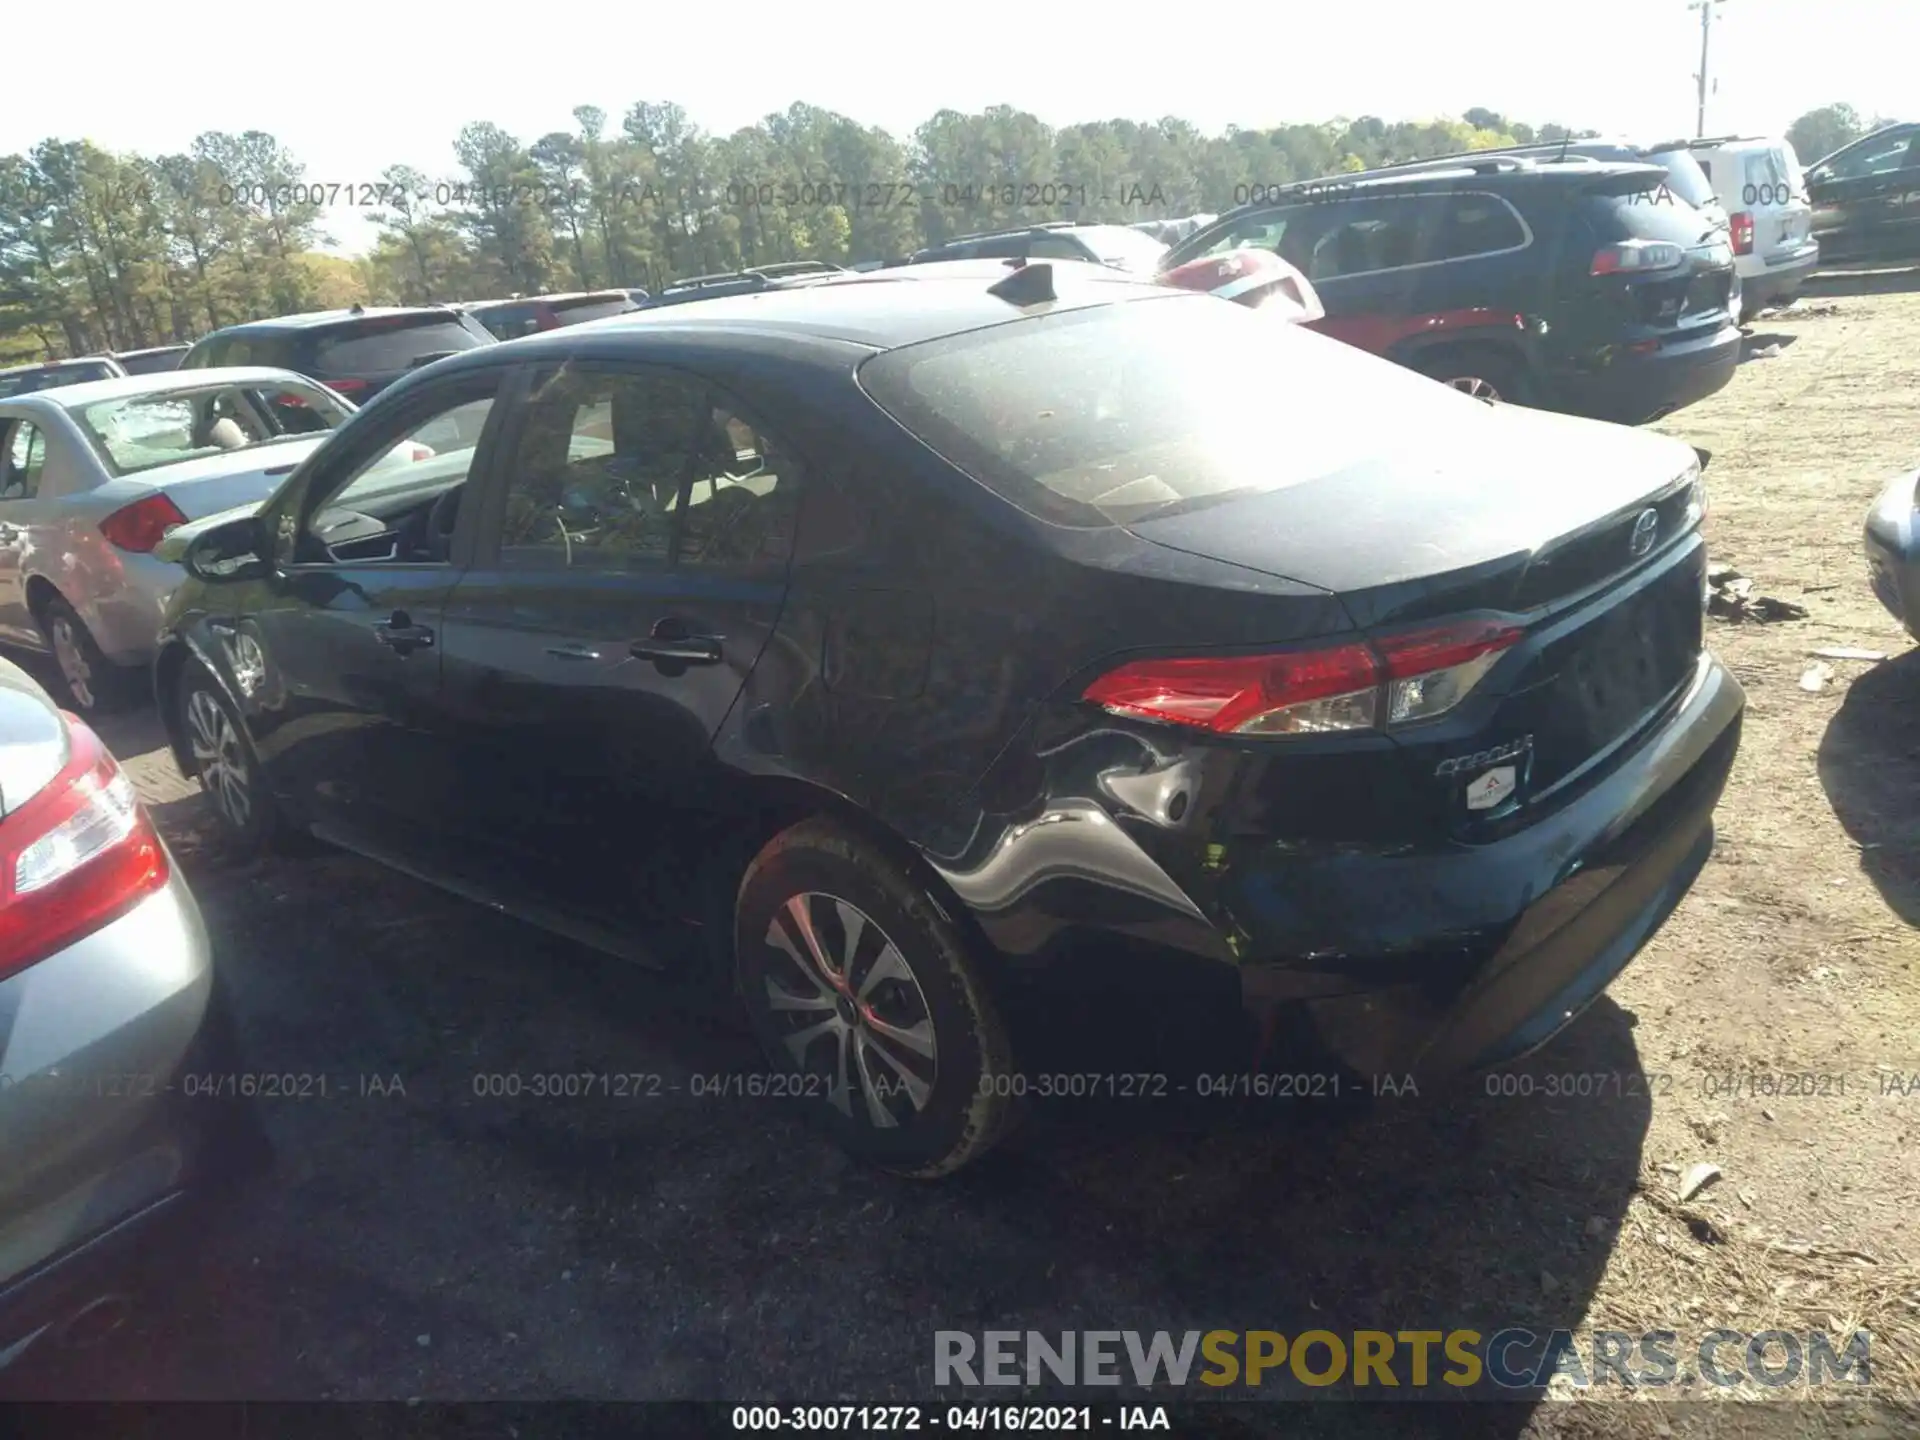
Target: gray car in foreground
column 119, row 1096
column 1893, row 550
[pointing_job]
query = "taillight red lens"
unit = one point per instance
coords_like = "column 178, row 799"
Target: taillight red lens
column 74, row 857
column 1741, row 226
column 142, row 525
column 347, row 387
column 1394, row 680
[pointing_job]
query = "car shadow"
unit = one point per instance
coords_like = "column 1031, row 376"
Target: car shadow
column 1752, row 344
column 1869, row 763
column 448, row 1211
column 1877, row 278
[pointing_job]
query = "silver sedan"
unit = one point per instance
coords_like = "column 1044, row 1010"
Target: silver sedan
column 93, row 475
column 119, row 1092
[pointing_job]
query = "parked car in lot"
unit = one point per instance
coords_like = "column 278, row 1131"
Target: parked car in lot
column 26, row 379
column 356, row 352
column 1866, row 197
column 117, row 1059
column 1770, row 222
column 1893, row 550
column 959, row 627
column 1252, row 277
column 750, row 281
column 1121, row 246
column 93, row 475
column 151, row 361
column 1582, row 286
column 510, row 319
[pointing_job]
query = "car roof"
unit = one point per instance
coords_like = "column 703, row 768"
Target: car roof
column 320, row 319
column 861, row 308
column 40, row 365
column 1422, row 176
column 472, row 305
column 123, row 387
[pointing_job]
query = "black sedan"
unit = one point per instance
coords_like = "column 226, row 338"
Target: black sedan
column 950, row 626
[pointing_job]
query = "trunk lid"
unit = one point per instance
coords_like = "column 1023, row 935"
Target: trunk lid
column 220, row 482
column 1460, row 505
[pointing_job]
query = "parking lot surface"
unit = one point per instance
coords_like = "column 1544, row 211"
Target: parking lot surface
column 427, row 1234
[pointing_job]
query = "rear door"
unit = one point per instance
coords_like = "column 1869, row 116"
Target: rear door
column 631, row 566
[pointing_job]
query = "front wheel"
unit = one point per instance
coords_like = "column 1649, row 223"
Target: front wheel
column 865, row 1000
column 223, row 760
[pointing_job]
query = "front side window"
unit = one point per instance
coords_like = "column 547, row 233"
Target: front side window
column 1876, row 155
column 142, row 432
column 24, row 460
column 433, row 453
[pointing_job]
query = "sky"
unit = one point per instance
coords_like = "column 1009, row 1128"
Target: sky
column 350, row 105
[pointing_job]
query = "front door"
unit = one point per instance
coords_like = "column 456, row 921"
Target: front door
column 631, row 566
column 336, row 655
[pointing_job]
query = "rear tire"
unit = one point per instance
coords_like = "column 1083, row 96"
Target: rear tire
column 867, row 1004
column 94, row 685
column 226, row 765
column 1478, row 370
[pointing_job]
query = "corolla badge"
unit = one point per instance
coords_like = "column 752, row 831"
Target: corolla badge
column 1461, row 764
column 1645, row 530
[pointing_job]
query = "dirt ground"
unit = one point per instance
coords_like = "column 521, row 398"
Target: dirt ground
column 439, row 1243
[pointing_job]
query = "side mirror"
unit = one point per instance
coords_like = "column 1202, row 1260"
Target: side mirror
column 237, row 550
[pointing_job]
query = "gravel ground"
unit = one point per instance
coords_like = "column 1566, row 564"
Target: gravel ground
column 420, row 1238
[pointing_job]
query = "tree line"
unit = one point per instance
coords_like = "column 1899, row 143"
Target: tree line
column 100, row 250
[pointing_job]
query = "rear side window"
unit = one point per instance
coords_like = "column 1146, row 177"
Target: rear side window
column 1385, row 234
column 1479, row 225
column 380, row 346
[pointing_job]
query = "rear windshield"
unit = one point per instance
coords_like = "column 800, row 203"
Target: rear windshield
column 578, row 312
column 1107, row 415
column 387, row 343
column 1657, row 214
column 1685, row 177
column 27, row 381
column 1126, row 247
column 509, row 322
column 142, row 432
column 1767, row 174
column 154, row 363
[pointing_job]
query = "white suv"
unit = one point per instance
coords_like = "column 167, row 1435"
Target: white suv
column 1759, row 182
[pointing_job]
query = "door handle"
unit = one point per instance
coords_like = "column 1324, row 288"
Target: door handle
column 680, row 650
column 400, row 635
column 572, row 652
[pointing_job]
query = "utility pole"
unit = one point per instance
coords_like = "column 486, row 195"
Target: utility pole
column 1705, row 7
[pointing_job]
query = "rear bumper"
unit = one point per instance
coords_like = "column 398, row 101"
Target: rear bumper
column 103, row 1143
column 1633, row 389
column 1780, row 275
column 1543, row 919
column 1893, row 552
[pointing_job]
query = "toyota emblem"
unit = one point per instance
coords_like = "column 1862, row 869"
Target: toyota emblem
column 1645, row 529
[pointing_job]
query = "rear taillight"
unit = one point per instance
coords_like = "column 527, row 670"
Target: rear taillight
column 1637, row 257
column 75, row 857
column 1741, row 228
column 142, row 525
column 1395, row 680
column 347, row 387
